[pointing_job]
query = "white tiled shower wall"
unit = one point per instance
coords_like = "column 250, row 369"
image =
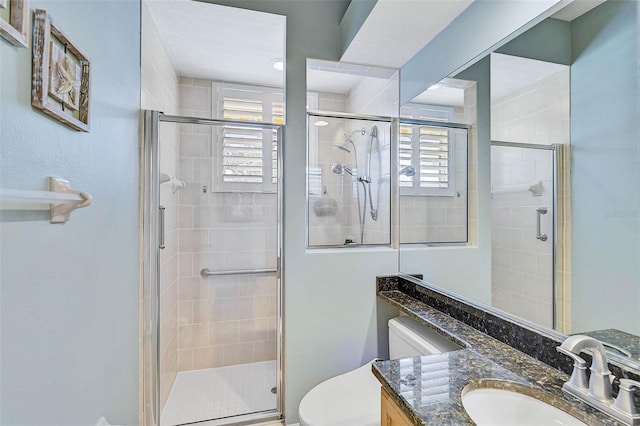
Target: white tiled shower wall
column 231, row 319
column 331, row 230
column 522, row 265
column 447, row 219
column 160, row 92
column 377, row 96
column 537, row 113
column 438, row 218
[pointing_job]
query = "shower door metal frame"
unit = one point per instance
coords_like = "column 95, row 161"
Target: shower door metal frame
column 554, row 220
column 150, row 198
column 442, row 125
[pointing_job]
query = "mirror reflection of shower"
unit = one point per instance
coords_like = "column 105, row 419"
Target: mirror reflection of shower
column 341, row 149
column 338, row 168
column 364, row 180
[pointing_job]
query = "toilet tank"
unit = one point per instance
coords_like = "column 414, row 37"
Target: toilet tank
column 409, row 338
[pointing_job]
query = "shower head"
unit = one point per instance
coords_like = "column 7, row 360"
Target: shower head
column 339, row 169
column 408, row 171
column 374, row 132
column 348, row 140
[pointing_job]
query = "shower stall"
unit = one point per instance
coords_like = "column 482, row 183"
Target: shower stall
column 348, row 187
column 212, row 271
column 524, row 231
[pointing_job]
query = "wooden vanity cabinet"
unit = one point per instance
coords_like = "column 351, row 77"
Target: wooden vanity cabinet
column 391, row 414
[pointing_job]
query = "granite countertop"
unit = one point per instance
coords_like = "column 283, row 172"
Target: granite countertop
column 618, row 340
column 428, row 388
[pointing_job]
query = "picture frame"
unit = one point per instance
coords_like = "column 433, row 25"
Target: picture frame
column 16, row 29
column 60, row 74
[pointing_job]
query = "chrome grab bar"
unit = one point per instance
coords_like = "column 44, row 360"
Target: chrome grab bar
column 162, row 245
column 206, row 272
column 541, row 236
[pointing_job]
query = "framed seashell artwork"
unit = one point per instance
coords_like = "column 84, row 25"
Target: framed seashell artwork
column 14, row 22
column 60, row 77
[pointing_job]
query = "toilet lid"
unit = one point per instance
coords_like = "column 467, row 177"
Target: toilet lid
column 350, row 399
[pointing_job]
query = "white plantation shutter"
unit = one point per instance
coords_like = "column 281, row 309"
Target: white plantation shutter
column 242, row 155
column 277, row 118
column 433, row 153
column 405, row 154
column 248, row 157
column 428, row 149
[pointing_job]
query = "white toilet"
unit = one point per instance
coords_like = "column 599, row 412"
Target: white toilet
column 353, row 398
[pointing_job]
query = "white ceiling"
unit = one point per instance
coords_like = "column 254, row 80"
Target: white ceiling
column 512, row 73
column 508, row 73
column 216, row 42
column 576, row 8
column 396, row 30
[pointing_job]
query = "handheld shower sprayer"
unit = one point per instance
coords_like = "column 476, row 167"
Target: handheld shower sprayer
column 339, row 169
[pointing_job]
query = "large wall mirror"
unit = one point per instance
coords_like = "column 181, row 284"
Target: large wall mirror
column 553, row 178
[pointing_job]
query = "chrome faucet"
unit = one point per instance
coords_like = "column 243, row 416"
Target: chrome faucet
column 598, row 394
column 601, row 378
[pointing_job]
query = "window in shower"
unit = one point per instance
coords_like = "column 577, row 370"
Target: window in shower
column 425, row 153
column 433, row 169
column 348, row 181
column 349, row 153
column 247, row 158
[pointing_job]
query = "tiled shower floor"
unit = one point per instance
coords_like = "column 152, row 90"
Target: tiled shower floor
column 220, row 392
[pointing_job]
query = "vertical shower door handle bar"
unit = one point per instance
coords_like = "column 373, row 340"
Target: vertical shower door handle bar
column 541, row 236
column 162, row 245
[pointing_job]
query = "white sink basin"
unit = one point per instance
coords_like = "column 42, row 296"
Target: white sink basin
column 500, row 407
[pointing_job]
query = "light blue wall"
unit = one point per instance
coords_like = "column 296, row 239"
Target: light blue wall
column 472, row 35
column 605, row 168
column 69, row 293
column 549, row 41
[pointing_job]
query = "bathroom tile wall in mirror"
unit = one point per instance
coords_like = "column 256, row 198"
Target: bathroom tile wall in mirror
column 558, row 181
column 433, row 164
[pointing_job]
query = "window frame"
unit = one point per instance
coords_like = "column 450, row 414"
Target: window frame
column 428, row 113
column 268, row 96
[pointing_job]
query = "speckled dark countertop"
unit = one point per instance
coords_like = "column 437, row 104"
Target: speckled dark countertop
column 629, row 343
column 431, row 394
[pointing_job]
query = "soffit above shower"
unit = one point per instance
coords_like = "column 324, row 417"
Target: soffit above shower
column 213, row 42
column 340, row 77
column 396, row 30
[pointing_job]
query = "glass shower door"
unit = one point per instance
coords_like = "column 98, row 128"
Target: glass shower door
column 218, row 287
column 523, row 203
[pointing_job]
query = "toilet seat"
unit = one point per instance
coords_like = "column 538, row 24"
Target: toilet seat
column 350, row 399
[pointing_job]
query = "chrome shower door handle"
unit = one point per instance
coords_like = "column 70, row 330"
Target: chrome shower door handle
column 161, row 245
column 541, row 236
